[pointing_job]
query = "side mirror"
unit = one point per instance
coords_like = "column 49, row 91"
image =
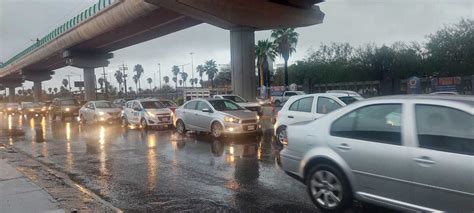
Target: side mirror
column 207, row 110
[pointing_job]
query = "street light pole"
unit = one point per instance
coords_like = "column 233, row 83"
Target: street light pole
column 159, row 73
column 123, row 68
column 192, row 68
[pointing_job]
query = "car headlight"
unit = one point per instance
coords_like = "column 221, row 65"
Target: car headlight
column 231, row 119
column 150, row 113
column 258, row 117
column 67, row 109
column 101, row 113
column 9, row 108
column 31, row 110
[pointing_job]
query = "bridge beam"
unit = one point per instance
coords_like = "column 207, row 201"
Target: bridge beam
column 242, row 59
column 88, row 61
column 37, row 76
column 11, row 82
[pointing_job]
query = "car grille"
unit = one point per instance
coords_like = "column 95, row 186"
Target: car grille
column 164, row 118
column 256, row 109
column 249, row 121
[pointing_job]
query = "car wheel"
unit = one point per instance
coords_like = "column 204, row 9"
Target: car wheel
column 277, row 103
column 217, row 130
column 180, row 128
column 143, row 124
column 281, row 134
column 328, row 188
column 125, row 122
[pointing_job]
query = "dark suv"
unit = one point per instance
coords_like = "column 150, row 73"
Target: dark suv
column 64, row 107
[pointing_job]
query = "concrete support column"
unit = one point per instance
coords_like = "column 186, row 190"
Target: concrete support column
column 242, row 58
column 37, row 91
column 89, row 84
column 11, row 94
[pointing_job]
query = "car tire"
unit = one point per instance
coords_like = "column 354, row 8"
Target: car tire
column 82, row 120
column 180, row 127
column 277, row 103
column 217, row 130
column 125, row 122
column 144, row 124
column 281, row 134
column 328, row 188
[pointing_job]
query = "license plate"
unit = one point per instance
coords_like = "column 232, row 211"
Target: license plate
column 164, row 119
column 250, row 128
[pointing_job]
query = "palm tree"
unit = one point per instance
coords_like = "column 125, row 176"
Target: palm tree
column 50, row 90
column 264, row 50
column 55, row 90
column 200, row 70
column 101, row 83
column 166, row 79
column 184, row 76
column 285, row 41
column 211, row 69
column 175, row 79
column 136, row 80
column 175, row 71
column 191, row 80
column 138, row 69
column 65, row 83
column 119, row 77
column 180, row 82
column 149, row 80
column 195, row 81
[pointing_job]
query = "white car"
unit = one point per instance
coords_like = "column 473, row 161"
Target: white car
column 308, row 107
column 147, row 113
column 99, row 111
column 252, row 106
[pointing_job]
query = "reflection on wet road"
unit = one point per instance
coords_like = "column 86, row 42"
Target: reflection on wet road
column 140, row 170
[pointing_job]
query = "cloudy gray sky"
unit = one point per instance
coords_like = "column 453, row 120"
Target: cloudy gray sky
column 354, row 21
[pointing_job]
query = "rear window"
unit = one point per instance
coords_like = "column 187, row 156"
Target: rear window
column 347, row 99
column 168, row 104
column 152, row 105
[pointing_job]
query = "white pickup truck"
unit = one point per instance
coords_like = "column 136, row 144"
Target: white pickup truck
column 252, row 106
column 279, row 100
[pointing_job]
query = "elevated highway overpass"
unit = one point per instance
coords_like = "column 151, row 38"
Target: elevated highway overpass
column 88, row 39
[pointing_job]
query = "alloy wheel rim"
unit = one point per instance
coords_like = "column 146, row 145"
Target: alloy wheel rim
column 143, row 123
column 282, row 135
column 326, row 189
column 216, row 131
column 180, row 127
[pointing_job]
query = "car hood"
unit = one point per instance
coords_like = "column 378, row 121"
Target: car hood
column 157, row 111
column 249, row 104
column 242, row 114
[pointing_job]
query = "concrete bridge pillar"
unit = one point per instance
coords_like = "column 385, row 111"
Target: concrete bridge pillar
column 87, row 61
column 37, row 91
column 242, row 59
column 11, row 94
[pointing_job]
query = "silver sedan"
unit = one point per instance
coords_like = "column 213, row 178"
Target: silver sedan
column 217, row 116
column 99, row 111
column 408, row 152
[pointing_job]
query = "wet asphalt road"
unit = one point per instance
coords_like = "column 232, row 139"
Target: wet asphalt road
column 160, row 170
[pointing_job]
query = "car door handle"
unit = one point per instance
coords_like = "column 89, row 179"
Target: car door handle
column 344, row 146
column 290, row 116
column 424, row 160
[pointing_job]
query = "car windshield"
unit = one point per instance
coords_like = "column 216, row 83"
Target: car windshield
column 234, row 98
column 168, row 104
column 225, row 105
column 31, row 105
column 69, row 102
column 104, row 104
column 152, row 105
column 348, row 99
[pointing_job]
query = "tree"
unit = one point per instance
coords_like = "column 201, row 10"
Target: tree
column 138, row 69
column 50, row 90
column 65, row 82
column 136, row 80
column 175, row 70
column 180, row 82
column 264, row 50
column 191, row 80
column 285, row 41
column 149, row 80
column 200, row 69
column 101, row 83
column 195, row 81
column 210, row 67
column 166, row 79
column 55, row 90
column 175, row 79
column 119, row 77
column 184, row 76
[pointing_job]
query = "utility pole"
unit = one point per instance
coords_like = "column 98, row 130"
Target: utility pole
column 123, row 68
column 69, row 82
column 159, row 73
column 192, row 67
column 105, row 83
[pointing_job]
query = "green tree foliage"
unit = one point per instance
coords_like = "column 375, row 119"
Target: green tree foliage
column 138, row 69
column 264, row 50
column 184, row 77
column 210, row 67
column 175, row 70
column 166, row 79
column 285, row 41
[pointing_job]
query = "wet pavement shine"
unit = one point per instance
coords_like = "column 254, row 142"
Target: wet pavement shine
column 160, row 170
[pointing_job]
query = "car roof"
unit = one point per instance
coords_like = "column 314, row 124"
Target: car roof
column 455, row 98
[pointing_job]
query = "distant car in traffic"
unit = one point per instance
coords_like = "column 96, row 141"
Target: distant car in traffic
column 100, row 111
column 147, row 113
column 120, row 102
column 307, row 108
column 63, row 108
column 252, row 106
column 12, row 108
column 279, row 100
column 410, row 152
column 34, row 109
column 216, row 116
